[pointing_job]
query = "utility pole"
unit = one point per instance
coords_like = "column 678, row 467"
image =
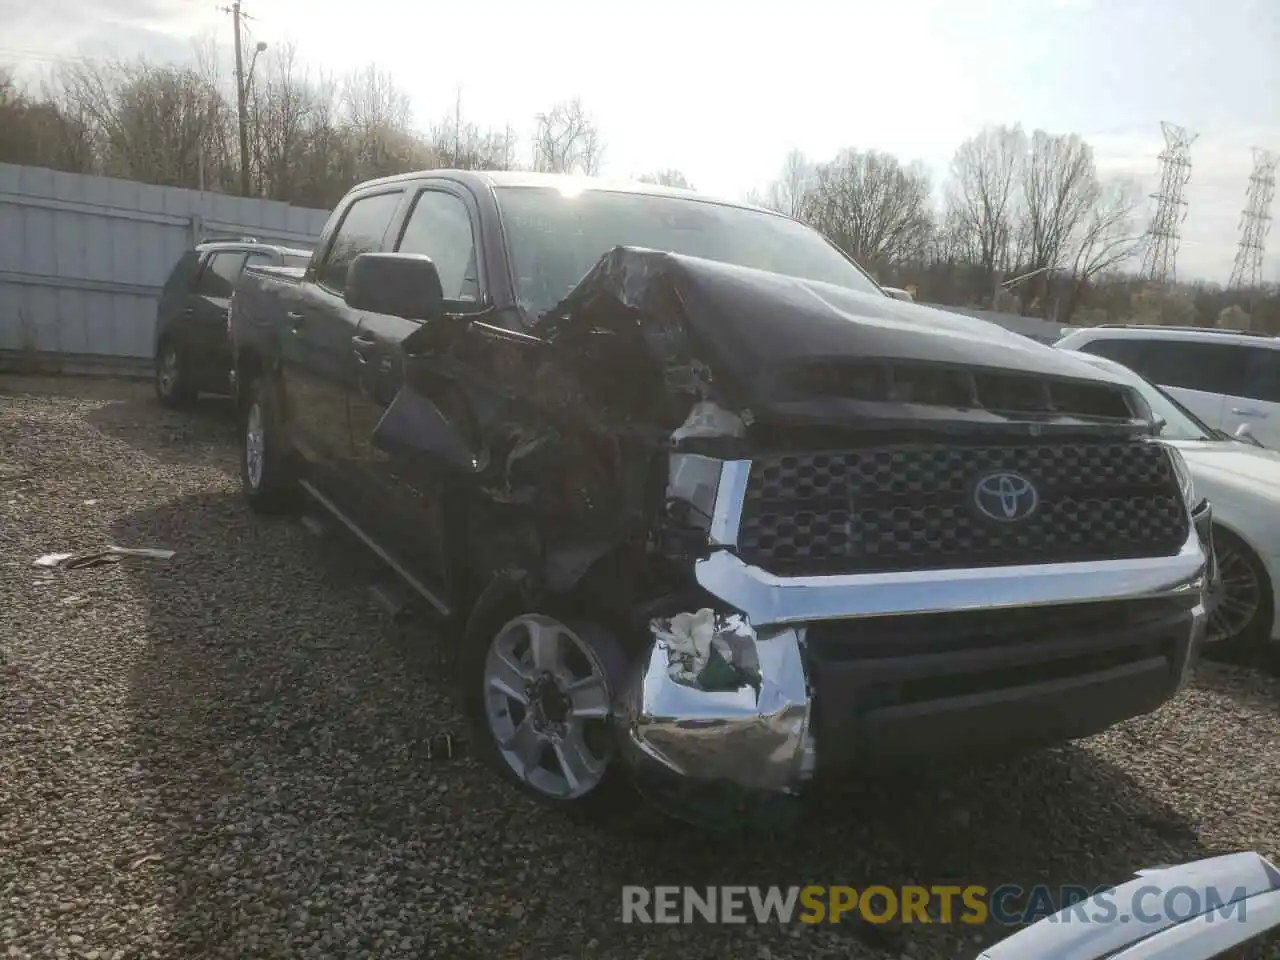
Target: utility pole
column 243, row 80
column 244, row 130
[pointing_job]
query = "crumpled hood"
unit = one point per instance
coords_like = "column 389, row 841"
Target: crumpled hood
column 751, row 325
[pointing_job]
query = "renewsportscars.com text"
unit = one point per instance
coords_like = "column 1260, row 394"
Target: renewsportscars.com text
column 1007, row 904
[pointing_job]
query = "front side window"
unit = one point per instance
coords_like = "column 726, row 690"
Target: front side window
column 556, row 236
column 1128, row 352
column 361, row 231
column 440, row 227
column 218, row 278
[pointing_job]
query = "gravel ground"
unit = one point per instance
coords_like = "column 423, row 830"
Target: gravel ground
column 221, row 755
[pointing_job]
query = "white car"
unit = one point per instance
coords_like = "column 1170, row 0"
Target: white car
column 1221, row 908
column 1227, row 378
column 1242, row 482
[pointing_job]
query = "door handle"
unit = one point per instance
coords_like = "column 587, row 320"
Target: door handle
column 295, row 320
column 362, row 346
column 1248, row 412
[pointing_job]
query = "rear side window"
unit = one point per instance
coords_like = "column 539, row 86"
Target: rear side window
column 361, row 231
column 1261, row 379
column 218, row 278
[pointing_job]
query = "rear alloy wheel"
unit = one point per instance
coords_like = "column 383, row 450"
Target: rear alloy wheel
column 1241, row 619
column 172, row 384
column 266, row 470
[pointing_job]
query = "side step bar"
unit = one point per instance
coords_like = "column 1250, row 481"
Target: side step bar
column 418, row 586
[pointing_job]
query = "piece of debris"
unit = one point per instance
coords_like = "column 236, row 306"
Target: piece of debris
column 53, row 559
column 113, row 554
column 313, row 525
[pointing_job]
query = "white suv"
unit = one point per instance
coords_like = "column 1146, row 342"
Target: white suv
column 1226, row 378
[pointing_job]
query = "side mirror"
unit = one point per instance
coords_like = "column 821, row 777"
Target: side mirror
column 1158, row 423
column 1244, row 432
column 400, row 284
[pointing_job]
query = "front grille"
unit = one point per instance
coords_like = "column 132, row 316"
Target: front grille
column 912, row 507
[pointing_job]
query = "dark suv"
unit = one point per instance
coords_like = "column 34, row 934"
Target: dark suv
column 192, row 352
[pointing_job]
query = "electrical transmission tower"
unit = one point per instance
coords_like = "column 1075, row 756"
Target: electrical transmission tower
column 1255, row 221
column 1159, row 263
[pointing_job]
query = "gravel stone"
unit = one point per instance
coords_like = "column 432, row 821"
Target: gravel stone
column 221, row 755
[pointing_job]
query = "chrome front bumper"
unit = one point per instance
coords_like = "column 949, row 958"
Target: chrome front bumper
column 755, row 728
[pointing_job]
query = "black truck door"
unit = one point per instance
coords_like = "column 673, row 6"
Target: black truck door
column 405, row 491
column 315, row 342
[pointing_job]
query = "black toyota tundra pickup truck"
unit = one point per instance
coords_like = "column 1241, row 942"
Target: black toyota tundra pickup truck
column 703, row 509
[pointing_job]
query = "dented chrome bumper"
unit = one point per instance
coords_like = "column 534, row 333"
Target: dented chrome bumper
column 751, row 722
column 752, row 730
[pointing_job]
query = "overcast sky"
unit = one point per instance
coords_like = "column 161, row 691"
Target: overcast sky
column 721, row 90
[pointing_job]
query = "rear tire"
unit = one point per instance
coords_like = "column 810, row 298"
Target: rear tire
column 268, row 475
column 174, row 387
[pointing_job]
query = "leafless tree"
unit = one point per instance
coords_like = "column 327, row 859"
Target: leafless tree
column 982, row 194
column 377, row 116
column 566, row 140
column 1111, row 234
column 150, row 122
column 1059, row 189
column 669, row 177
column 460, row 145
column 871, row 206
column 37, row 132
column 786, row 193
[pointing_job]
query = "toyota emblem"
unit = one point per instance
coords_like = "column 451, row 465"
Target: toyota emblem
column 1005, row 496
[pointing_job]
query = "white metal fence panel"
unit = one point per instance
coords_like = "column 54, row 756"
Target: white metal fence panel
column 82, row 259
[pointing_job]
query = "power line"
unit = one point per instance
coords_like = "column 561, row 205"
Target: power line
column 1159, row 262
column 1255, row 221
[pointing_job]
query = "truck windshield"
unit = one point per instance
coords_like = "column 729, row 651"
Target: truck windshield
column 556, row 237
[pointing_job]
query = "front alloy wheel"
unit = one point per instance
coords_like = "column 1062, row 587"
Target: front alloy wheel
column 546, row 699
column 1241, row 618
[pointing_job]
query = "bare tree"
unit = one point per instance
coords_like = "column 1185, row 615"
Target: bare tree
column 566, row 140
column 1111, row 234
column 1059, row 189
column 149, row 122
column 670, row 177
column 376, row 116
column 464, row 146
column 37, row 132
column 871, row 206
column 786, row 193
column 982, row 194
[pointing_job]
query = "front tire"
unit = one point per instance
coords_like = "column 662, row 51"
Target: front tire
column 537, row 691
column 1240, row 625
column 267, row 475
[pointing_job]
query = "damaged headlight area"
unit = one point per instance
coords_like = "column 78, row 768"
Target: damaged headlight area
column 719, row 704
